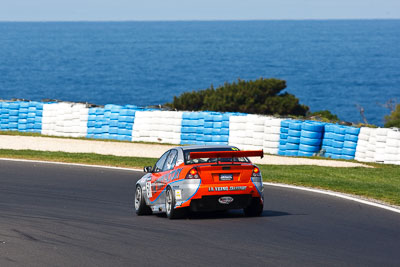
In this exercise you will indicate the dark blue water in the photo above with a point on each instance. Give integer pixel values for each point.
(331, 65)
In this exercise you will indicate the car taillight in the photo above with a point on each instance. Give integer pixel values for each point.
(193, 174)
(256, 172)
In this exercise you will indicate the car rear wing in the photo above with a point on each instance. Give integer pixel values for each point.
(227, 154)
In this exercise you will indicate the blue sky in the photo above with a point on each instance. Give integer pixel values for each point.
(72, 10)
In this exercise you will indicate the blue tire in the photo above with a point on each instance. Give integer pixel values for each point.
(312, 126)
(348, 152)
(208, 124)
(310, 134)
(329, 128)
(308, 148)
(284, 130)
(285, 123)
(295, 133)
(13, 112)
(327, 142)
(224, 131)
(351, 137)
(336, 156)
(13, 106)
(216, 131)
(340, 130)
(352, 130)
(283, 141)
(338, 137)
(281, 152)
(217, 124)
(337, 151)
(328, 135)
(224, 138)
(186, 115)
(310, 141)
(292, 153)
(337, 144)
(282, 146)
(305, 154)
(207, 138)
(293, 139)
(295, 126)
(291, 146)
(208, 131)
(349, 144)
(283, 136)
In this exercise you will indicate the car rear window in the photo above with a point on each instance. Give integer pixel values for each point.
(189, 161)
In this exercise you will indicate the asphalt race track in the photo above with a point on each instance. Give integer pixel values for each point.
(60, 215)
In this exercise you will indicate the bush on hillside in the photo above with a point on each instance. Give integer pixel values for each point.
(323, 115)
(393, 120)
(262, 96)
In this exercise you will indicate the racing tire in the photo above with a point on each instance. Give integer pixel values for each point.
(255, 208)
(170, 202)
(140, 204)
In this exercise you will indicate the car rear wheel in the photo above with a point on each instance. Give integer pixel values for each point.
(170, 202)
(140, 204)
(255, 208)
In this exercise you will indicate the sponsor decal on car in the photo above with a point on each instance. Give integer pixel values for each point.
(178, 194)
(226, 188)
(225, 200)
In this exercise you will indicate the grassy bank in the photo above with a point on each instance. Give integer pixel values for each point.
(83, 158)
(381, 183)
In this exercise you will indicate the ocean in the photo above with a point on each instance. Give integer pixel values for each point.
(339, 65)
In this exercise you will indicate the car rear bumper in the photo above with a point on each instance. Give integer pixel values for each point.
(188, 191)
(213, 203)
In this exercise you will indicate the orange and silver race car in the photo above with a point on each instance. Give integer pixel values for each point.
(201, 178)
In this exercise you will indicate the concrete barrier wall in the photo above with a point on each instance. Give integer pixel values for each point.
(286, 137)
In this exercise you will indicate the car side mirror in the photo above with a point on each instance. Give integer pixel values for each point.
(148, 169)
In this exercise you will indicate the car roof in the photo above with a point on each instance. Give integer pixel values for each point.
(203, 147)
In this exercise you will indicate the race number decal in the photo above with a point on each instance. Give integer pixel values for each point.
(148, 189)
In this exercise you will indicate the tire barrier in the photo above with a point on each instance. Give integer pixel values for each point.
(157, 126)
(111, 122)
(247, 132)
(339, 142)
(205, 128)
(285, 137)
(65, 119)
(381, 145)
(272, 131)
(310, 138)
(392, 147)
(293, 138)
(21, 116)
(284, 133)
(365, 150)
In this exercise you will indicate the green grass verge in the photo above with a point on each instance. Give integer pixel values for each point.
(381, 183)
(16, 133)
(83, 158)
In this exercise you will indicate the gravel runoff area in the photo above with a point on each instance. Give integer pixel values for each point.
(138, 150)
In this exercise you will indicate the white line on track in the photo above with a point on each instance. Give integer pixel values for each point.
(319, 191)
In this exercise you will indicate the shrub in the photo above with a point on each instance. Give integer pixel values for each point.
(262, 96)
(323, 115)
(393, 120)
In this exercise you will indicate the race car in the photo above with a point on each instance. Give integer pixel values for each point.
(201, 178)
